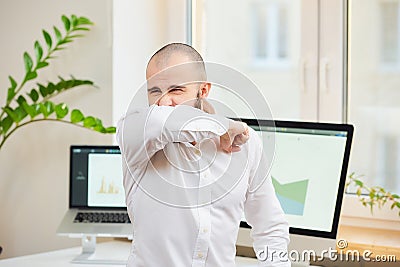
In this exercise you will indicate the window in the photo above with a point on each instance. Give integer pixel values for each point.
(374, 106)
(390, 34)
(260, 39)
(271, 33)
(310, 34)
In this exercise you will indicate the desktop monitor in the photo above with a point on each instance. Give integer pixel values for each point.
(308, 172)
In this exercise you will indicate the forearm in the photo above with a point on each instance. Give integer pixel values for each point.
(186, 124)
(143, 132)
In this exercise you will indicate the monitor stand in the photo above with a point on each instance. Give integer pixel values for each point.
(88, 253)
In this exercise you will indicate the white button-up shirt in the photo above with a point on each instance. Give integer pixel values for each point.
(186, 201)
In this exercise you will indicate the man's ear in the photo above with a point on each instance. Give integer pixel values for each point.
(204, 90)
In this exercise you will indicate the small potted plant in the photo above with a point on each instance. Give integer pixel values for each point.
(374, 196)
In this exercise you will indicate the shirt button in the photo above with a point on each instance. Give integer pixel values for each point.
(205, 230)
(200, 255)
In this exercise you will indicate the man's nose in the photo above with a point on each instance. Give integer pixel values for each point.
(165, 100)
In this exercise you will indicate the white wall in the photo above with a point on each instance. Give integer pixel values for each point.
(34, 161)
(140, 28)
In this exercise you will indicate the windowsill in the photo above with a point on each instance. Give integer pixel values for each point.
(354, 214)
(378, 233)
(377, 241)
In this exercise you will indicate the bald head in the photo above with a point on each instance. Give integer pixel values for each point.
(175, 54)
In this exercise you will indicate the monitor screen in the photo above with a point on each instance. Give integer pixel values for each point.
(96, 179)
(308, 172)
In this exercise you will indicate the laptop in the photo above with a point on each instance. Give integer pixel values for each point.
(96, 194)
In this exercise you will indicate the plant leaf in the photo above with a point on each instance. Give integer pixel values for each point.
(61, 110)
(21, 113)
(10, 112)
(30, 75)
(359, 183)
(37, 108)
(34, 95)
(16, 115)
(76, 36)
(65, 41)
(99, 126)
(42, 65)
(358, 192)
(57, 34)
(81, 29)
(47, 38)
(74, 20)
(10, 94)
(76, 116)
(50, 88)
(63, 85)
(99, 122)
(30, 109)
(21, 100)
(111, 129)
(11, 90)
(42, 90)
(6, 124)
(100, 129)
(83, 21)
(372, 194)
(67, 23)
(13, 82)
(38, 51)
(89, 122)
(28, 62)
(59, 48)
(46, 108)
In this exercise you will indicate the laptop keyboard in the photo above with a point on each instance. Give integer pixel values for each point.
(101, 217)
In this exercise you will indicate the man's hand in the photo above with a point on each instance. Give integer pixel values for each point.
(237, 135)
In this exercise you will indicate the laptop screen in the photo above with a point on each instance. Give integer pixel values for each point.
(96, 177)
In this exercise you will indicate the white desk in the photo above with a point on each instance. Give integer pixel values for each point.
(113, 250)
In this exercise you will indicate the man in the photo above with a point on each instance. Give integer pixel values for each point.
(189, 175)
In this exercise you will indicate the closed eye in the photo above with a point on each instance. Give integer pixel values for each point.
(154, 91)
(176, 89)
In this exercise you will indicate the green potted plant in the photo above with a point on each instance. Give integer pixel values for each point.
(374, 196)
(24, 106)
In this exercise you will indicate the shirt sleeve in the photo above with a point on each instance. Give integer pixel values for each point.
(142, 132)
(263, 212)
